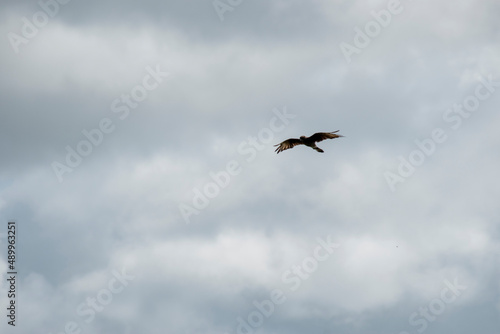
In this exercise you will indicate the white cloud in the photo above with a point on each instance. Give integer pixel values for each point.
(119, 208)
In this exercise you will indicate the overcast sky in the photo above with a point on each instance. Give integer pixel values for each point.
(136, 145)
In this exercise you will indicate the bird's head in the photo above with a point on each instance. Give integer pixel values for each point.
(302, 137)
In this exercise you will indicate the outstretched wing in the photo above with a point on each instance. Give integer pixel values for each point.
(289, 143)
(319, 136)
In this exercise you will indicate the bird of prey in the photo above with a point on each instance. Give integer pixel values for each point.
(308, 141)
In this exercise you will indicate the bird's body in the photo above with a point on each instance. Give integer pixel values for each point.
(308, 141)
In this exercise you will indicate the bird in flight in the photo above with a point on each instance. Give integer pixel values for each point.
(308, 141)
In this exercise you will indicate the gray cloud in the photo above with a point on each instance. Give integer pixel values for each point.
(118, 209)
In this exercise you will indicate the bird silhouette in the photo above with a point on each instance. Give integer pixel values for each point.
(308, 141)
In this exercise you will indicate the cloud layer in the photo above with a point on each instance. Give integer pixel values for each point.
(103, 243)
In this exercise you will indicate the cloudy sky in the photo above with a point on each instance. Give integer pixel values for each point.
(136, 141)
